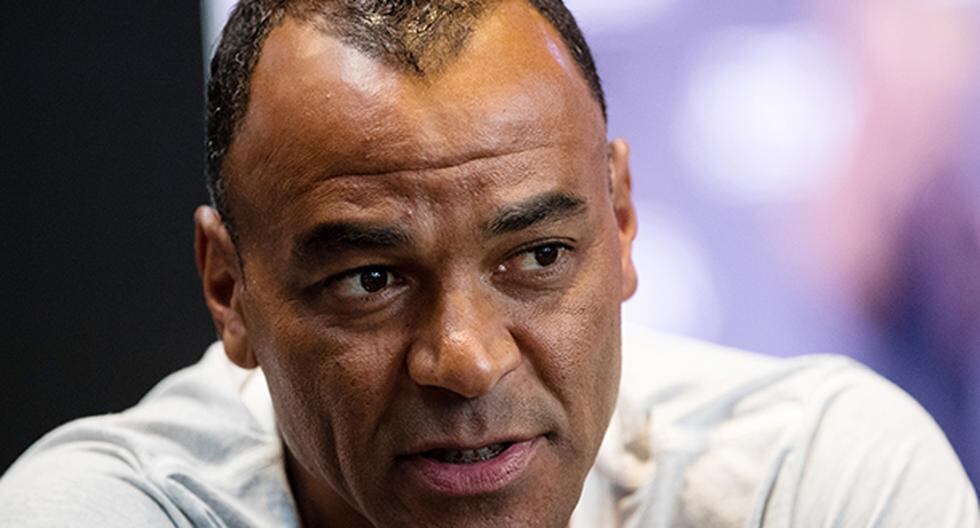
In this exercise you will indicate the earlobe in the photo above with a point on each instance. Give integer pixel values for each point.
(626, 221)
(221, 280)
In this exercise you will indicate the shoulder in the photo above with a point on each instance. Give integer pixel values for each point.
(190, 453)
(867, 454)
(87, 482)
(729, 437)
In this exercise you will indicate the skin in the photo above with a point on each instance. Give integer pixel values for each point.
(473, 337)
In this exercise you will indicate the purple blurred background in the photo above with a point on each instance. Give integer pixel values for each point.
(807, 178)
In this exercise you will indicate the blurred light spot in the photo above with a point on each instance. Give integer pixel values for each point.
(767, 115)
(602, 16)
(676, 291)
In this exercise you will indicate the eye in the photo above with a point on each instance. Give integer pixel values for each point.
(373, 280)
(538, 267)
(543, 258)
(361, 283)
(540, 257)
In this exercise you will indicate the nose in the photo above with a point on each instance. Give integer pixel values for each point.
(465, 346)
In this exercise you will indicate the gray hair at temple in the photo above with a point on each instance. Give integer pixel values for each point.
(417, 36)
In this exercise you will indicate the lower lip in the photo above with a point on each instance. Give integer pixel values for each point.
(460, 480)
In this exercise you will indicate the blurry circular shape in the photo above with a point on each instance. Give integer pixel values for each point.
(676, 291)
(603, 16)
(768, 115)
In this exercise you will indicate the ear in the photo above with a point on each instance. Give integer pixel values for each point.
(221, 279)
(620, 184)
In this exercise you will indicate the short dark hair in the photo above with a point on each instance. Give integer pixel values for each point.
(416, 35)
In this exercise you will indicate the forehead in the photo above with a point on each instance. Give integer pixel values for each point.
(320, 109)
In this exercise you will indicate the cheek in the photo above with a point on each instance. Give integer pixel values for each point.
(330, 393)
(575, 342)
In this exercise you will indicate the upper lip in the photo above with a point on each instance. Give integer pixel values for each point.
(463, 444)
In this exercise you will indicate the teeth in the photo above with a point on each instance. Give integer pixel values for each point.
(467, 456)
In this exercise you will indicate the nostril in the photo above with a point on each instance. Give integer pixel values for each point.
(465, 367)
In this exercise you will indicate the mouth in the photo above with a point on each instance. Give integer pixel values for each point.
(467, 456)
(468, 471)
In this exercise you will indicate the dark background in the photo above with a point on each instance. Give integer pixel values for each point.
(101, 156)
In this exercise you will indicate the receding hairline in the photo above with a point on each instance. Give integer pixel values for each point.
(438, 38)
(431, 49)
(312, 51)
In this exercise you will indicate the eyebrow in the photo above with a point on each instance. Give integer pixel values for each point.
(544, 208)
(334, 237)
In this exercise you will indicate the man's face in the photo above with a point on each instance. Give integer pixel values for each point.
(433, 269)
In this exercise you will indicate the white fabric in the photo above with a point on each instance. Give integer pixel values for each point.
(703, 436)
(706, 436)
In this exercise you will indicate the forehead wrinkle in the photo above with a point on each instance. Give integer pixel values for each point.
(454, 166)
(425, 119)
